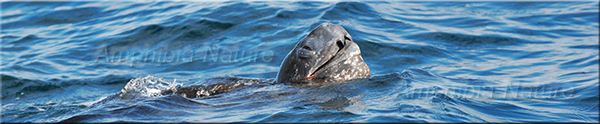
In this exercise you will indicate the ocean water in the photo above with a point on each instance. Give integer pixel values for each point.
(108, 61)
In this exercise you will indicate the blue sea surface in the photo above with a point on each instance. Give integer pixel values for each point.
(105, 61)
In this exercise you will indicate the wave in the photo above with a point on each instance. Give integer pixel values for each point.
(431, 62)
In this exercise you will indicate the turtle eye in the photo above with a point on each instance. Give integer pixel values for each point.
(307, 48)
(305, 52)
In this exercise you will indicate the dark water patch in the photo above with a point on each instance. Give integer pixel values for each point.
(596, 47)
(473, 82)
(176, 20)
(370, 30)
(73, 15)
(41, 88)
(310, 4)
(103, 16)
(10, 82)
(527, 32)
(345, 10)
(203, 29)
(12, 5)
(113, 107)
(115, 16)
(38, 5)
(583, 18)
(6, 39)
(110, 79)
(532, 64)
(139, 14)
(534, 54)
(572, 33)
(392, 25)
(173, 37)
(470, 22)
(299, 14)
(337, 103)
(13, 87)
(391, 119)
(151, 108)
(29, 69)
(63, 59)
(459, 22)
(591, 102)
(29, 39)
(527, 5)
(142, 33)
(169, 8)
(418, 74)
(462, 40)
(257, 29)
(377, 50)
(399, 55)
(536, 20)
(82, 118)
(535, 74)
(56, 17)
(50, 110)
(575, 74)
(389, 81)
(16, 49)
(420, 50)
(86, 35)
(239, 13)
(307, 116)
(555, 19)
(41, 67)
(579, 62)
(368, 36)
(582, 81)
(420, 93)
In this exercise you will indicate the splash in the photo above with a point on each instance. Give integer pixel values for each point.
(148, 86)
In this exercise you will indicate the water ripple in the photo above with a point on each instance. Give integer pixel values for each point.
(430, 61)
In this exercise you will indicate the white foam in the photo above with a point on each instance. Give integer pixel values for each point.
(148, 86)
